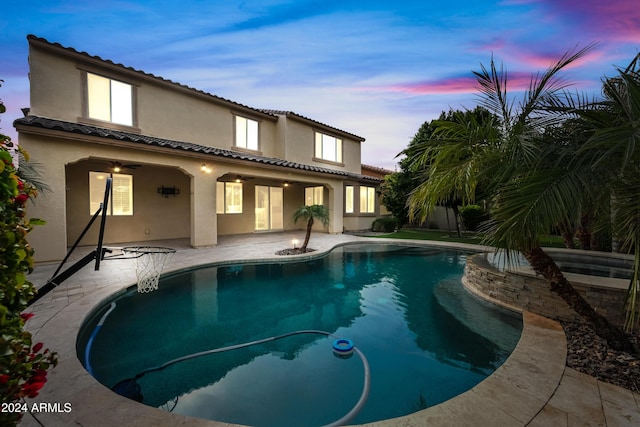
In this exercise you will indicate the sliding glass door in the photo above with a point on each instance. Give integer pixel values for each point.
(269, 212)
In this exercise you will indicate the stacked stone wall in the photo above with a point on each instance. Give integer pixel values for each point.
(531, 293)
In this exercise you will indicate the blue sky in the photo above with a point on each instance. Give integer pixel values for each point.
(375, 68)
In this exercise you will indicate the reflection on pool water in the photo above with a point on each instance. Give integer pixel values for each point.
(426, 339)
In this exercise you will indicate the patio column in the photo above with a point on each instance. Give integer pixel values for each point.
(204, 221)
(336, 206)
(50, 240)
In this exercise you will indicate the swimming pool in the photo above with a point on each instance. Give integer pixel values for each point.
(425, 338)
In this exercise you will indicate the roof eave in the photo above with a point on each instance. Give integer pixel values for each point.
(96, 61)
(91, 134)
(317, 124)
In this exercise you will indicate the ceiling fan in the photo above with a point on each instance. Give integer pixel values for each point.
(117, 166)
(239, 178)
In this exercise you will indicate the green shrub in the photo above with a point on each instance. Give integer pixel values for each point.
(385, 224)
(23, 365)
(472, 216)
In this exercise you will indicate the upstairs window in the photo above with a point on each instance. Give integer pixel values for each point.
(313, 195)
(367, 200)
(328, 148)
(246, 133)
(120, 198)
(109, 100)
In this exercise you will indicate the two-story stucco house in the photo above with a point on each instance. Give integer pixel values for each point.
(184, 163)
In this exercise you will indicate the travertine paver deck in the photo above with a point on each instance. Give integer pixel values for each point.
(532, 388)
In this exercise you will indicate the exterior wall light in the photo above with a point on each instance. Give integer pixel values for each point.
(204, 168)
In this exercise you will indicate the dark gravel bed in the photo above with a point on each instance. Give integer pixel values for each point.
(296, 251)
(590, 354)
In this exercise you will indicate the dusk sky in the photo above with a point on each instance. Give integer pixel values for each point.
(378, 69)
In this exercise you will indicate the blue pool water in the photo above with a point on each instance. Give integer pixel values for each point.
(426, 339)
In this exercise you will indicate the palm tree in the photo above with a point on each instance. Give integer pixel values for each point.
(30, 172)
(613, 150)
(449, 161)
(523, 174)
(310, 214)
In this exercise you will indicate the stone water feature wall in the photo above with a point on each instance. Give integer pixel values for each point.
(531, 293)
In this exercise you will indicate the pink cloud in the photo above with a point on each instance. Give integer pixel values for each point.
(564, 24)
(611, 20)
(543, 60)
(456, 85)
(494, 45)
(516, 81)
(445, 86)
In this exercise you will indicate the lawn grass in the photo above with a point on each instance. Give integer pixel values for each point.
(446, 236)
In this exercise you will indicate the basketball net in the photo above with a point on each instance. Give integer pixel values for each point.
(149, 263)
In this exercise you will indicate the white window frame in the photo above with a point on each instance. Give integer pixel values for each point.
(109, 100)
(328, 147)
(273, 211)
(229, 197)
(367, 199)
(314, 195)
(120, 197)
(349, 193)
(247, 133)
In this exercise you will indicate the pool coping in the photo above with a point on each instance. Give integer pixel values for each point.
(513, 395)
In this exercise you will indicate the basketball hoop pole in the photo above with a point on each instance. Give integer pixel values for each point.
(97, 254)
(105, 207)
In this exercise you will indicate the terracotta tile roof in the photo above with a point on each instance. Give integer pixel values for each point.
(69, 51)
(377, 169)
(59, 125)
(307, 119)
(39, 41)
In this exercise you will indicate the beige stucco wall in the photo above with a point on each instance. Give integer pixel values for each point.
(55, 86)
(170, 112)
(195, 119)
(358, 223)
(151, 211)
(191, 214)
(155, 217)
(163, 114)
(352, 155)
(335, 204)
(173, 112)
(49, 240)
(300, 145)
(293, 198)
(167, 111)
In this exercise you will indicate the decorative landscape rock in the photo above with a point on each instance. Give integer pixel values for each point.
(590, 354)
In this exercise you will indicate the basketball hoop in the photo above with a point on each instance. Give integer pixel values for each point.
(150, 260)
